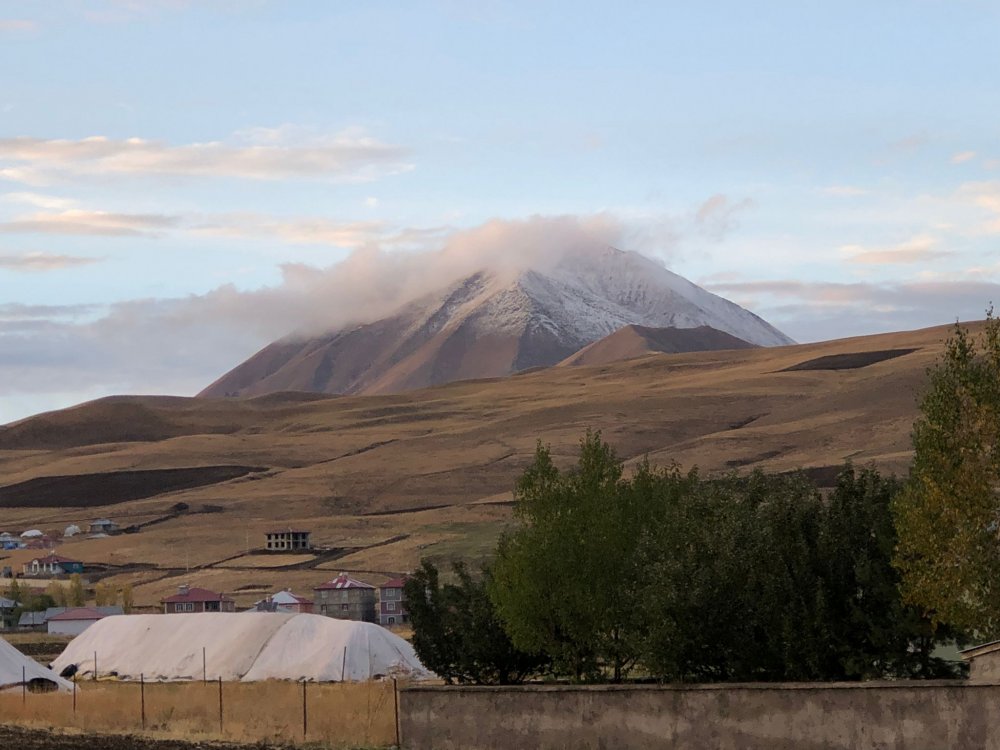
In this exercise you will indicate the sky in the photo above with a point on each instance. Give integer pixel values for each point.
(183, 182)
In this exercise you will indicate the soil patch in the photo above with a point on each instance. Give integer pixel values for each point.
(109, 488)
(849, 361)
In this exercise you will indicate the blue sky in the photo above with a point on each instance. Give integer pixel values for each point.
(179, 181)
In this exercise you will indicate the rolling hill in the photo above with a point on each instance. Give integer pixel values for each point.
(385, 480)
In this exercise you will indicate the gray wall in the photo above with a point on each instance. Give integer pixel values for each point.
(781, 716)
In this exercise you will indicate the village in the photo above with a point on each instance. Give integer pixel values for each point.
(52, 593)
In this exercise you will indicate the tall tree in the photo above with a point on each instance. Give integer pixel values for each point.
(456, 632)
(948, 517)
(76, 596)
(566, 579)
(128, 598)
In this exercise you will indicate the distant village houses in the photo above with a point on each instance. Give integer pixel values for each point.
(288, 540)
(102, 526)
(392, 603)
(51, 566)
(346, 598)
(192, 599)
(75, 620)
(284, 601)
(7, 607)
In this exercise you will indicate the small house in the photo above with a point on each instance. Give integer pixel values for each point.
(346, 598)
(984, 662)
(284, 601)
(102, 526)
(51, 566)
(288, 540)
(392, 603)
(192, 599)
(74, 620)
(7, 607)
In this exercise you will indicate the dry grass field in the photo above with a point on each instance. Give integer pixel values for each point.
(337, 714)
(383, 481)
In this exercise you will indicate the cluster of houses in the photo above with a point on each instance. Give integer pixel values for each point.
(343, 598)
(37, 539)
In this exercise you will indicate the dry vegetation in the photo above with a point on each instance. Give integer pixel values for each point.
(338, 715)
(383, 481)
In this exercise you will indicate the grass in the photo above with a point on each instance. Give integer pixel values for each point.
(339, 715)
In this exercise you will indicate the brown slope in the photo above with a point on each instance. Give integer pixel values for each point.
(637, 341)
(331, 462)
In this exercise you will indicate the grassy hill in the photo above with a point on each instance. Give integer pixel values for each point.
(385, 480)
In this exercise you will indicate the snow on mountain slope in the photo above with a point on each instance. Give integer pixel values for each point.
(492, 324)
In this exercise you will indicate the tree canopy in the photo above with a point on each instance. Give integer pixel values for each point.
(948, 516)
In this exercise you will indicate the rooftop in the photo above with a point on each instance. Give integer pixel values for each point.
(343, 581)
(195, 595)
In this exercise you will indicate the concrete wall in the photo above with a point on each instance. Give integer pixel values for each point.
(781, 716)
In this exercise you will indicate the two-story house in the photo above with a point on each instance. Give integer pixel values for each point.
(346, 598)
(392, 603)
(192, 599)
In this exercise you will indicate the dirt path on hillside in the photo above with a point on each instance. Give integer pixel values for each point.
(37, 739)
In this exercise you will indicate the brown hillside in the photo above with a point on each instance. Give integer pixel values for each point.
(637, 341)
(385, 480)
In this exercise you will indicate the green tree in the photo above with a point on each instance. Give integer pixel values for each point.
(456, 632)
(76, 596)
(14, 590)
(128, 598)
(948, 516)
(58, 593)
(566, 579)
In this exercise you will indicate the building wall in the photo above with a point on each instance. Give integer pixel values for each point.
(985, 668)
(360, 604)
(911, 715)
(68, 627)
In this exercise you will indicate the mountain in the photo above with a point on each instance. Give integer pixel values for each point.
(492, 324)
(635, 341)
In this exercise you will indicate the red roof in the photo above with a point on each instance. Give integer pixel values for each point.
(49, 559)
(196, 595)
(393, 583)
(287, 531)
(79, 613)
(343, 581)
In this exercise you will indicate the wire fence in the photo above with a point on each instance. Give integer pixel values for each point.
(346, 714)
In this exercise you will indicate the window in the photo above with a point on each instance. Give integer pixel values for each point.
(345, 607)
(390, 606)
(392, 621)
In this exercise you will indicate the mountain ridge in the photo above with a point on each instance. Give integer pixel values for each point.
(491, 324)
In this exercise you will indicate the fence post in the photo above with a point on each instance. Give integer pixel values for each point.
(95, 666)
(395, 697)
(74, 695)
(220, 704)
(24, 686)
(305, 715)
(142, 699)
(204, 670)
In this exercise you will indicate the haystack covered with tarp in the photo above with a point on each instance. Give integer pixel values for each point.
(246, 647)
(17, 669)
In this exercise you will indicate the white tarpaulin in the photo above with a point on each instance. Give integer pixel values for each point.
(12, 662)
(248, 646)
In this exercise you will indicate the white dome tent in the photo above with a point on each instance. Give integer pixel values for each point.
(246, 647)
(16, 669)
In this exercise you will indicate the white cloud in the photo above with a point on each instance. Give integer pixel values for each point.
(917, 249)
(39, 201)
(13, 25)
(845, 191)
(38, 262)
(348, 155)
(963, 156)
(80, 222)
